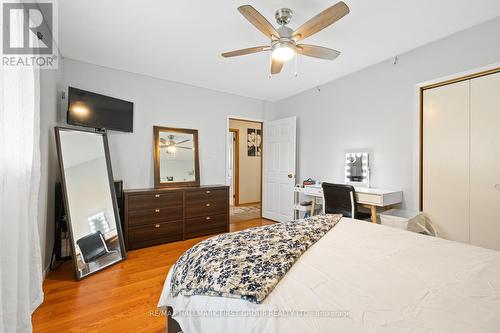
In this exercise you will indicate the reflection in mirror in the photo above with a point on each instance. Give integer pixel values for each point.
(357, 168)
(90, 200)
(176, 161)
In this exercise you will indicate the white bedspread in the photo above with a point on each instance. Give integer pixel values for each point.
(383, 279)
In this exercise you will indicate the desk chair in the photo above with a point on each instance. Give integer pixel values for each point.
(341, 199)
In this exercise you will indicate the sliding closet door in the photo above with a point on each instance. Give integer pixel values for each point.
(446, 159)
(485, 162)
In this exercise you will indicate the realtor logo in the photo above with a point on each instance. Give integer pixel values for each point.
(28, 34)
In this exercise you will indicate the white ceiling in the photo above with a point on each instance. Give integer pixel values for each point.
(182, 40)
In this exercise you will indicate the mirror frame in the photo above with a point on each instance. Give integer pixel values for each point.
(156, 148)
(58, 130)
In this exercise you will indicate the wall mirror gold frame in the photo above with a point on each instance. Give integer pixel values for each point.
(176, 160)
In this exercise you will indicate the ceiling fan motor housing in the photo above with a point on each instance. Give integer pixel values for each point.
(283, 16)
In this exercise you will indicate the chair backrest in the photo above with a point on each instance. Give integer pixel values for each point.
(92, 246)
(340, 199)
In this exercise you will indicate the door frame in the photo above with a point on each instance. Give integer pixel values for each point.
(236, 166)
(255, 120)
(464, 76)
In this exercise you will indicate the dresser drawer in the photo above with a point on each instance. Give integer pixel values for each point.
(148, 216)
(208, 195)
(164, 231)
(206, 208)
(154, 200)
(206, 225)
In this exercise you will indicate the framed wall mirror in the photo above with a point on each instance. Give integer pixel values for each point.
(90, 200)
(176, 161)
(357, 168)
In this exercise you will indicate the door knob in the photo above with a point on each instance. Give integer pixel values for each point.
(497, 186)
(290, 175)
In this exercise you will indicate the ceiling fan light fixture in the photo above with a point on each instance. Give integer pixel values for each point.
(283, 51)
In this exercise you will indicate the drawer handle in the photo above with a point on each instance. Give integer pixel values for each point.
(208, 218)
(157, 225)
(157, 195)
(208, 205)
(157, 210)
(207, 192)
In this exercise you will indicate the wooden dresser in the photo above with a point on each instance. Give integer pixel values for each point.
(156, 216)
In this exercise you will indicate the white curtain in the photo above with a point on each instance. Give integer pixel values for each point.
(20, 259)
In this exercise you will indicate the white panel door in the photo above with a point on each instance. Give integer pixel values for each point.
(446, 159)
(485, 162)
(279, 169)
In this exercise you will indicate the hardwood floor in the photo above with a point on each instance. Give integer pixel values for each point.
(121, 298)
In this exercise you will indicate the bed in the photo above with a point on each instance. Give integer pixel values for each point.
(363, 277)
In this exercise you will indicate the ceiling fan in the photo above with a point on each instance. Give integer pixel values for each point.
(171, 145)
(284, 41)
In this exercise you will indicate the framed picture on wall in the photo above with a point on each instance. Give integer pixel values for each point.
(254, 142)
(258, 142)
(251, 141)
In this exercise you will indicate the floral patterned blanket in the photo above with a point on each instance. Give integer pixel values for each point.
(247, 264)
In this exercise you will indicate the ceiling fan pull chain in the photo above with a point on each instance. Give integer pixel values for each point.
(296, 73)
(270, 65)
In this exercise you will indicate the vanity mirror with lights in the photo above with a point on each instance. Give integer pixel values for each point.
(357, 168)
(176, 160)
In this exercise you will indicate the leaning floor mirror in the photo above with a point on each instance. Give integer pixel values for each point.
(90, 200)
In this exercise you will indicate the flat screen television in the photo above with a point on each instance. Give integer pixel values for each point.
(89, 109)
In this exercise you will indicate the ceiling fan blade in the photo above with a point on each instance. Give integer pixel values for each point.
(178, 143)
(276, 66)
(184, 147)
(321, 21)
(244, 51)
(317, 51)
(259, 21)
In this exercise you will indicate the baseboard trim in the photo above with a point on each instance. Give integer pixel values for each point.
(247, 204)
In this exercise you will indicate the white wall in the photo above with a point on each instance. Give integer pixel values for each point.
(378, 108)
(163, 103)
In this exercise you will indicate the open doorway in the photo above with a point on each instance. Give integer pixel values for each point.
(244, 169)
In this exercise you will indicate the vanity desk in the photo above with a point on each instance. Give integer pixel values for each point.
(371, 198)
